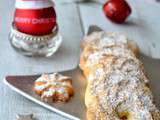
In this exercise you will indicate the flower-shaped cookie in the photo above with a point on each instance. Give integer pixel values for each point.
(54, 87)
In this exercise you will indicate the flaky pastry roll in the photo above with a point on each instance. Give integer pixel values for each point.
(117, 85)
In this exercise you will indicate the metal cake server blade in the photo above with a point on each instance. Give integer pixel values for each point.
(93, 28)
(74, 109)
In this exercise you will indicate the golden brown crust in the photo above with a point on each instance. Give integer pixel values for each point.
(134, 47)
(117, 85)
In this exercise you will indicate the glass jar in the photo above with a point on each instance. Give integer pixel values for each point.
(45, 45)
(34, 31)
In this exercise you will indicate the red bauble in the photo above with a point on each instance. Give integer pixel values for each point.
(117, 10)
(35, 21)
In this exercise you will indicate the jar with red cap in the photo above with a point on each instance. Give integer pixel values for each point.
(34, 29)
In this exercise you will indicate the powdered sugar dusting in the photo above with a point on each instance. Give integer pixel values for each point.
(54, 85)
(119, 81)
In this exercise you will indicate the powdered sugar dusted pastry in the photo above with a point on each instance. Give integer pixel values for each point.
(117, 86)
(54, 87)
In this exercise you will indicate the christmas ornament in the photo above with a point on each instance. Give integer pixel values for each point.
(34, 30)
(117, 10)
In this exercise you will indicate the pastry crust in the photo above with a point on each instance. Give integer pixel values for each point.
(54, 87)
(117, 87)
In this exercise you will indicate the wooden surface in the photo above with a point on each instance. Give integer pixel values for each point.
(142, 26)
(74, 18)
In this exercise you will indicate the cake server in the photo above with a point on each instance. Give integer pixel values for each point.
(74, 109)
